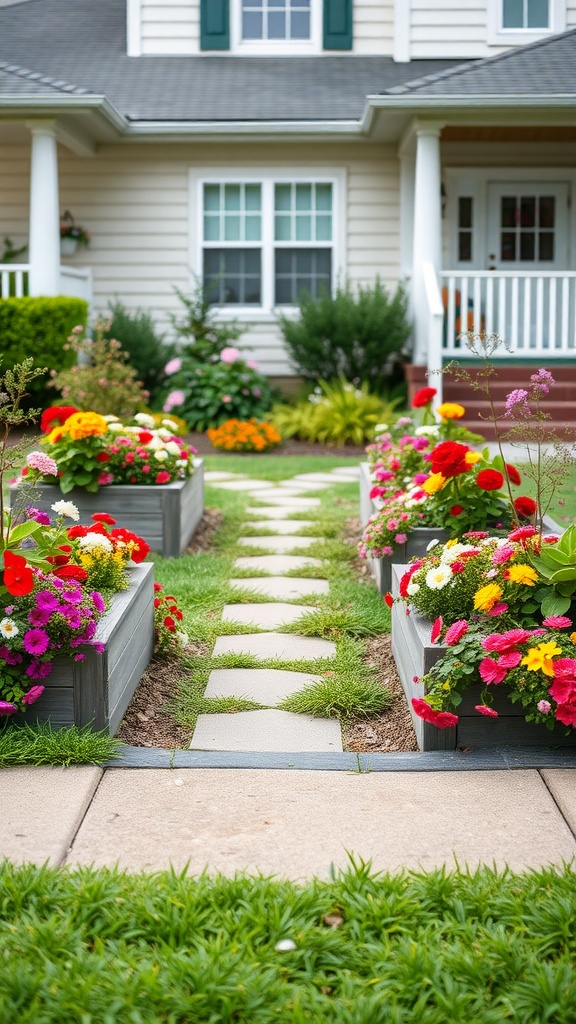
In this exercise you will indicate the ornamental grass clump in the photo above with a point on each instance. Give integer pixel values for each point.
(92, 451)
(244, 436)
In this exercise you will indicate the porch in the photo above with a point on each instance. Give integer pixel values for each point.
(74, 281)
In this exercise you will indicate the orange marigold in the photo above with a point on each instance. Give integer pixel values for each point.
(244, 436)
(84, 424)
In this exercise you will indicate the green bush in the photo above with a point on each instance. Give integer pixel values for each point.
(336, 413)
(146, 348)
(359, 336)
(39, 327)
(208, 394)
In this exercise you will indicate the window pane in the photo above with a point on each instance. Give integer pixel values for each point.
(231, 228)
(211, 197)
(512, 13)
(538, 16)
(232, 276)
(251, 25)
(253, 229)
(252, 194)
(547, 211)
(304, 228)
(282, 228)
(301, 270)
(211, 228)
(465, 212)
(276, 25)
(303, 197)
(323, 228)
(300, 25)
(546, 246)
(527, 211)
(508, 212)
(283, 199)
(508, 246)
(232, 197)
(527, 245)
(324, 197)
(464, 246)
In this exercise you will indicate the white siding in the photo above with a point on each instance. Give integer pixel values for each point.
(173, 27)
(571, 14)
(453, 28)
(134, 199)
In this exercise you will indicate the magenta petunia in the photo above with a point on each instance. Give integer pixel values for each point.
(33, 694)
(441, 719)
(46, 600)
(39, 669)
(436, 629)
(6, 708)
(40, 517)
(509, 660)
(36, 641)
(39, 616)
(98, 601)
(483, 709)
(490, 671)
(557, 622)
(502, 642)
(455, 632)
(73, 596)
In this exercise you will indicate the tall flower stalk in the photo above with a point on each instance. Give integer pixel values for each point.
(14, 386)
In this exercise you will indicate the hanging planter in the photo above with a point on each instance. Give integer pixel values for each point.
(68, 246)
(71, 235)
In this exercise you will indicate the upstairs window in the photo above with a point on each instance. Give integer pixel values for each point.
(519, 22)
(276, 19)
(527, 14)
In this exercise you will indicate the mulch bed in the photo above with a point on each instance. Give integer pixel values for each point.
(289, 447)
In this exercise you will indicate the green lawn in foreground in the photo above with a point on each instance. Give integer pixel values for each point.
(100, 947)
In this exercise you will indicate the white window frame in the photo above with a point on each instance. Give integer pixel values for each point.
(275, 47)
(267, 177)
(499, 36)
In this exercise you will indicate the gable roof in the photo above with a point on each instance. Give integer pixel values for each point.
(545, 68)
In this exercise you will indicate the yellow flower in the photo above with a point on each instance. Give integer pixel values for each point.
(434, 482)
(450, 411)
(522, 573)
(539, 659)
(573, 637)
(487, 597)
(85, 424)
(471, 458)
(450, 543)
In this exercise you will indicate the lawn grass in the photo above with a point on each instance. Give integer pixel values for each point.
(90, 946)
(276, 466)
(39, 744)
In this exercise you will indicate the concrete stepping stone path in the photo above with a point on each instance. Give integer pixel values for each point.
(321, 478)
(275, 564)
(244, 485)
(265, 615)
(287, 501)
(216, 474)
(266, 731)
(284, 646)
(262, 685)
(270, 512)
(281, 526)
(304, 485)
(280, 543)
(279, 492)
(284, 588)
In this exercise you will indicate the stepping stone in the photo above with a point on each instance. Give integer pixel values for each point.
(215, 474)
(262, 685)
(275, 645)
(280, 492)
(284, 526)
(276, 564)
(244, 485)
(326, 478)
(303, 485)
(265, 616)
(280, 543)
(352, 471)
(266, 731)
(269, 513)
(288, 588)
(288, 501)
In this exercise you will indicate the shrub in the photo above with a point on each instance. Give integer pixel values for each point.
(357, 336)
(208, 394)
(145, 347)
(336, 413)
(101, 379)
(248, 436)
(37, 328)
(203, 337)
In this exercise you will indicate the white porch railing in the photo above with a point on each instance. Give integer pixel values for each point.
(435, 327)
(534, 312)
(13, 280)
(75, 281)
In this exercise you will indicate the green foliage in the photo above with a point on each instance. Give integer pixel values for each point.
(336, 413)
(147, 350)
(340, 697)
(42, 744)
(218, 391)
(100, 379)
(203, 337)
(11, 253)
(358, 335)
(38, 328)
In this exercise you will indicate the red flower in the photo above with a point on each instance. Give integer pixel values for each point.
(489, 480)
(55, 416)
(139, 547)
(449, 458)
(436, 629)
(388, 599)
(455, 632)
(102, 457)
(18, 576)
(157, 602)
(457, 567)
(423, 397)
(145, 436)
(456, 510)
(71, 572)
(484, 710)
(513, 474)
(77, 531)
(170, 624)
(441, 719)
(158, 586)
(163, 477)
(98, 528)
(525, 506)
(103, 517)
(523, 532)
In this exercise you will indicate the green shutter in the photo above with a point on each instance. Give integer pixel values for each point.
(338, 24)
(214, 25)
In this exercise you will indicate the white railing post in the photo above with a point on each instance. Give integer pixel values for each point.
(435, 309)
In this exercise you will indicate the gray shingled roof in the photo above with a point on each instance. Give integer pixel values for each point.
(545, 68)
(82, 44)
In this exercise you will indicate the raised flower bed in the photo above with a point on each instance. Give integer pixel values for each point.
(96, 691)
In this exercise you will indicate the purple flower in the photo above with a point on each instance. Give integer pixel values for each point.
(72, 596)
(79, 657)
(38, 515)
(6, 708)
(47, 601)
(9, 609)
(39, 669)
(39, 616)
(33, 693)
(73, 617)
(99, 647)
(517, 397)
(98, 601)
(541, 381)
(36, 641)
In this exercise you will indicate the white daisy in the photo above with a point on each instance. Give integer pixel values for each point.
(412, 589)
(433, 431)
(438, 577)
(161, 454)
(66, 508)
(95, 540)
(173, 448)
(8, 628)
(171, 426)
(145, 420)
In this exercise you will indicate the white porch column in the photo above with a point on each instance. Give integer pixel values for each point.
(427, 245)
(44, 240)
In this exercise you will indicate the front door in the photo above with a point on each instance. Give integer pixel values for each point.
(527, 226)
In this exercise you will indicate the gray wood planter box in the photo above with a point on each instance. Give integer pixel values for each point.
(414, 656)
(166, 515)
(97, 691)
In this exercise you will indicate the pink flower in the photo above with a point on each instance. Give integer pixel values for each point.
(502, 642)
(33, 694)
(457, 567)
(420, 478)
(441, 719)
(163, 477)
(400, 538)
(172, 366)
(502, 554)
(498, 609)
(382, 475)
(226, 399)
(484, 710)
(522, 533)
(509, 660)
(38, 515)
(455, 632)
(490, 671)
(557, 622)
(377, 492)
(105, 478)
(252, 364)
(436, 629)
(6, 708)
(544, 706)
(36, 641)
(392, 524)
(174, 398)
(229, 355)
(43, 463)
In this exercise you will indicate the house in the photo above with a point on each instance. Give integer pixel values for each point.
(275, 145)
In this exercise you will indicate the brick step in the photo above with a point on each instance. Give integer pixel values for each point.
(557, 410)
(486, 427)
(462, 392)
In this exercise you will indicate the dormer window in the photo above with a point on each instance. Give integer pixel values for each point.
(519, 22)
(276, 19)
(525, 14)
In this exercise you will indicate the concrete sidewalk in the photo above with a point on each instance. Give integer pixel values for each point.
(290, 823)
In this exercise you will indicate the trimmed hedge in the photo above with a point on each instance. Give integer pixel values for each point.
(39, 327)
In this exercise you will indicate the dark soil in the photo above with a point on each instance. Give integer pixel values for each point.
(289, 447)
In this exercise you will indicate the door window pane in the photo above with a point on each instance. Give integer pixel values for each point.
(507, 246)
(465, 223)
(547, 210)
(527, 245)
(301, 271)
(546, 246)
(527, 211)
(508, 211)
(232, 276)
